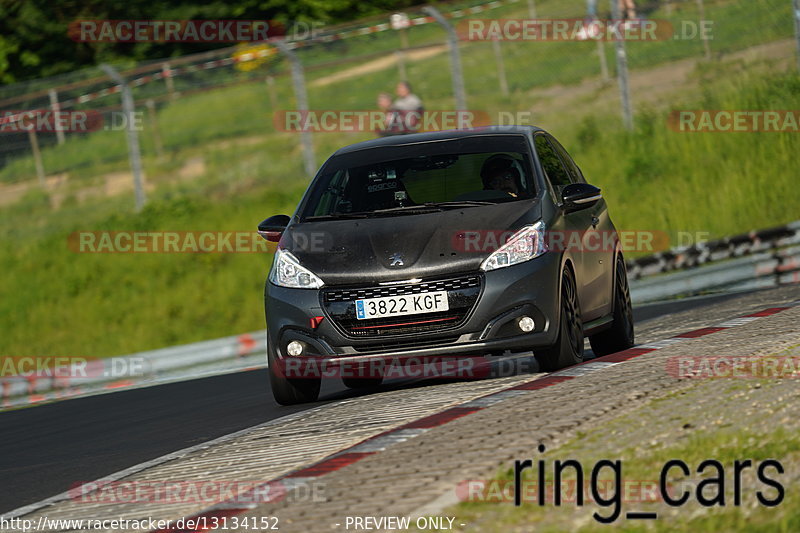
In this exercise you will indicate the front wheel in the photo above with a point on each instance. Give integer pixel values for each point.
(290, 391)
(568, 349)
(620, 335)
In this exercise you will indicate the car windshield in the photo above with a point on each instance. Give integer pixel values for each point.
(426, 177)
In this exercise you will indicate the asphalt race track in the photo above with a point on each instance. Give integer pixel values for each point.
(49, 448)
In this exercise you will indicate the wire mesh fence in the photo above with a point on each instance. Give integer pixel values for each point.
(238, 91)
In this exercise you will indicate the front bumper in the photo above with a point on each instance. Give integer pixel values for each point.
(528, 289)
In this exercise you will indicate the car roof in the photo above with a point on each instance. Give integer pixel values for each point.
(414, 138)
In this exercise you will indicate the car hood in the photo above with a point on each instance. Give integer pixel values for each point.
(399, 247)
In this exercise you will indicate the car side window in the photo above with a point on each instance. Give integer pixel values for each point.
(575, 173)
(332, 198)
(557, 175)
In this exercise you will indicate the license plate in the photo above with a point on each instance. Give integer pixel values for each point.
(410, 304)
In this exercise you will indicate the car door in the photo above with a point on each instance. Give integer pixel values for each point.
(597, 249)
(567, 230)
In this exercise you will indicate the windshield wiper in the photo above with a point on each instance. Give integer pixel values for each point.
(460, 203)
(424, 208)
(438, 206)
(338, 216)
(427, 207)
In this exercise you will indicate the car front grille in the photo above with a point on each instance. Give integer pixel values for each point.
(462, 294)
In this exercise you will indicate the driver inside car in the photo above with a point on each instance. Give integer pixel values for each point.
(498, 173)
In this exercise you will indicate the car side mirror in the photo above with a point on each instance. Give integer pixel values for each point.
(272, 228)
(577, 196)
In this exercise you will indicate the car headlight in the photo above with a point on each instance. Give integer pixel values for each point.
(524, 245)
(288, 272)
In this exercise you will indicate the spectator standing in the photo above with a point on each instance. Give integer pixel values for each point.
(404, 115)
(408, 107)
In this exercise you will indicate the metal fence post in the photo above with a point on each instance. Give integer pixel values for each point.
(273, 98)
(797, 28)
(37, 156)
(702, 15)
(501, 67)
(601, 53)
(153, 118)
(299, 82)
(56, 108)
(167, 73)
(532, 9)
(133, 136)
(622, 69)
(401, 54)
(455, 57)
(400, 23)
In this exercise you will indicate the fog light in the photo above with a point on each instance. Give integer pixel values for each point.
(526, 324)
(294, 348)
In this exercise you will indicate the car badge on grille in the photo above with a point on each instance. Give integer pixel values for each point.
(396, 260)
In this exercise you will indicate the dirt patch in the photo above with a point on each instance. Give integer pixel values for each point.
(11, 194)
(240, 141)
(376, 65)
(194, 167)
(650, 86)
(117, 183)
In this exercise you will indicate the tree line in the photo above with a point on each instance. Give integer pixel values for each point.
(35, 40)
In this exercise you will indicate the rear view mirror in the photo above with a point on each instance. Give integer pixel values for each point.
(272, 228)
(576, 196)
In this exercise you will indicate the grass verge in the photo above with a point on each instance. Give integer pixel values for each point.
(719, 434)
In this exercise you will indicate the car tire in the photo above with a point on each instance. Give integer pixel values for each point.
(290, 391)
(568, 348)
(620, 335)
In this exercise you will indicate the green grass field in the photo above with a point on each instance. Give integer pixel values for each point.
(54, 301)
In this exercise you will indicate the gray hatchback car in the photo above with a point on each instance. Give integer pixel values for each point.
(453, 243)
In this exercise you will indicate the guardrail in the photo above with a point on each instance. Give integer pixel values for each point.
(236, 353)
(757, 259)
(753, 260)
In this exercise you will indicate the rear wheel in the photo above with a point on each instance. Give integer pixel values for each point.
(568, 349)
(620, 335)
(290, 391)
